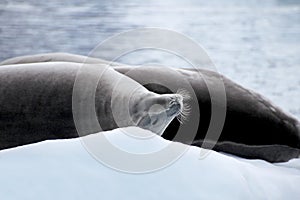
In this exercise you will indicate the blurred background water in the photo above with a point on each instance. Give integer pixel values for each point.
(254, 42)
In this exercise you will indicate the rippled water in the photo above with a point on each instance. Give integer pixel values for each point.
(254, 42)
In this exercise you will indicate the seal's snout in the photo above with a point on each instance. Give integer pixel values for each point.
(175, 104)
(159, 111)
(177, 98)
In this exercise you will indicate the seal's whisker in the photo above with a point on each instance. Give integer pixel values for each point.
(184, 93)
(186, 108)
(183, 115)
(179, 119)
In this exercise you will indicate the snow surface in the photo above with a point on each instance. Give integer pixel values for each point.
(63, 169)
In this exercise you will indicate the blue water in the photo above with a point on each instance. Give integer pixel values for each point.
(254, 42)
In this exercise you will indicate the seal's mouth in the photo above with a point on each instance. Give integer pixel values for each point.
(159, 115)
(171, 112)
(175, 106)
(174, 109)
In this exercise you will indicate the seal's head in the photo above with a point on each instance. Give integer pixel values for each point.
(155, 112)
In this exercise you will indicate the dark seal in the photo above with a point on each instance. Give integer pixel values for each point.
(254, 127)
(36, 103)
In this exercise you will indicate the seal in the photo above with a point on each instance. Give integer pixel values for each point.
(254, 127)
(36, 102)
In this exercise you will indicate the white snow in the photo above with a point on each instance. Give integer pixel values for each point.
(63, 169)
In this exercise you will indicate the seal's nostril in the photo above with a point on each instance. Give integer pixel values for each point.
(172, 101)
(179, 98)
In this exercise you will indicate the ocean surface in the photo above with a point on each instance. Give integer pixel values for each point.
(256, 43)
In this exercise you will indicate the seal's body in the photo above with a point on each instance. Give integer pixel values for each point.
(36, 102)
(254, 127)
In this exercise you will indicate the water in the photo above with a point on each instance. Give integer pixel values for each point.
(255, 43)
